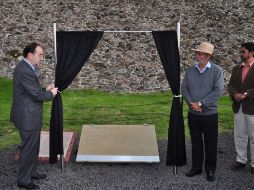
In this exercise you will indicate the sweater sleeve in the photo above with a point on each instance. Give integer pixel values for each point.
(217, 90)
(185, 89)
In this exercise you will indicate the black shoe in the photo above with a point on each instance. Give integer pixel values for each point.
(236, 166)
(29, 186)
(210, 175)
(193, 172)
(39, 176)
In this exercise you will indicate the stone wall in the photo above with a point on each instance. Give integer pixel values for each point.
(126, 62)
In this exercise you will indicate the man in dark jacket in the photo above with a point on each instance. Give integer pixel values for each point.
(26, 113)
(241, 91)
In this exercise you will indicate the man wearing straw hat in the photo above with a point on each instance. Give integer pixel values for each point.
(241, 91)
(201, 88)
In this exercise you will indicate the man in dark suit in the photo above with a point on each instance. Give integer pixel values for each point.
(26, 113)
(241, 91)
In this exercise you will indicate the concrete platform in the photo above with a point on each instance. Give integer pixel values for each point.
(118, 143)
(68, 142)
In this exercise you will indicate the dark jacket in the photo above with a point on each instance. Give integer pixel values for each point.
(28, 97)
(237, 86)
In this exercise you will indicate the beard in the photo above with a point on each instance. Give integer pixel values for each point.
(199, 63)
(243, 59)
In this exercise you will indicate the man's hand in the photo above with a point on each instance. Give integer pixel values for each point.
(194, 106)
(239, 97)
(54, 91)
(51, 86)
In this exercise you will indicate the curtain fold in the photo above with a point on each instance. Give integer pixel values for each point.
(73, 50)
(167, 46)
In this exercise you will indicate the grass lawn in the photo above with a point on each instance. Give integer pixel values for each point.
(97, 107)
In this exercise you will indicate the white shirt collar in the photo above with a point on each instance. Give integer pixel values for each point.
(208, 66)
(243, 63)
(29, 64)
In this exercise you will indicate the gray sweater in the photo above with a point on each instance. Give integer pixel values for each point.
(204, 87)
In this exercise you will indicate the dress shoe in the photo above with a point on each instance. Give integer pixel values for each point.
(252, 170)
(193, 172)
(236, 166)
(210, 175)
(29, 186)
(39, 176)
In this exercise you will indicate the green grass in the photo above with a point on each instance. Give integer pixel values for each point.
(97, 107)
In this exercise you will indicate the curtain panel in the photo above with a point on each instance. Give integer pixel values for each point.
(167, 46)
(73, 50)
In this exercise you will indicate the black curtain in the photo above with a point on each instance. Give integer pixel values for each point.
(166, 43)
(73, 50)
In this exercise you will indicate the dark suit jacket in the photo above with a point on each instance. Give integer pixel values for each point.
(236, 86)
(28, 97)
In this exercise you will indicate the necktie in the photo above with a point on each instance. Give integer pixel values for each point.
(37, 70)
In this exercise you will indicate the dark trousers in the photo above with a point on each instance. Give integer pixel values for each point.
(29, 151)
(203, 131)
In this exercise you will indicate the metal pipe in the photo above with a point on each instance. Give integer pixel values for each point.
(55, 52)
(178, 40)
(125, 31)
(54, 41)
(178, 33)
(175, 170)
(62, 162)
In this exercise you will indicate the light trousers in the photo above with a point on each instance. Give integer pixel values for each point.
(244, 132)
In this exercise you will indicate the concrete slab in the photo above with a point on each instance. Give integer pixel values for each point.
(68, 142)
(118, 143)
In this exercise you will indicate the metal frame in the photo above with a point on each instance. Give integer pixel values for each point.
(55, 52)
(108, 31)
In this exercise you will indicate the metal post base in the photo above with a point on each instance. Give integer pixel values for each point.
(62, 162)
(175, 169)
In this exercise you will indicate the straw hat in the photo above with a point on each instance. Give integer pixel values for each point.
(205, 47)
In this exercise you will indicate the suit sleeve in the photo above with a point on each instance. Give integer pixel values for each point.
(231, 89)
(33, 88)
(250, 93)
